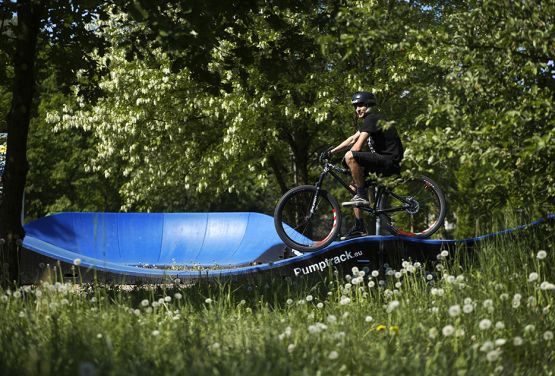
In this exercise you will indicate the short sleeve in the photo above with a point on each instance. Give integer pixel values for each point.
(370, 124)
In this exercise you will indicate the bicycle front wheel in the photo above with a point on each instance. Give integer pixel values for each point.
(415, 207)
(306, 219)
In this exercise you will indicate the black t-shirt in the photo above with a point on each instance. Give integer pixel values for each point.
(382, 141)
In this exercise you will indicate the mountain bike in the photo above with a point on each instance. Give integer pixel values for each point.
(308, 218)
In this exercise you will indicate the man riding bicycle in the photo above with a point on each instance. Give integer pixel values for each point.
(382, 156)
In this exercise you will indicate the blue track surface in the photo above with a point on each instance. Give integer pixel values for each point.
(123, 243)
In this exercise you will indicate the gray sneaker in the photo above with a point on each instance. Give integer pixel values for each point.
(356, 201)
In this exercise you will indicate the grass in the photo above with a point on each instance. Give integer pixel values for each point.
(494, 316)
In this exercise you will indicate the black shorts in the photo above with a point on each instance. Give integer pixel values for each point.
(376, 163)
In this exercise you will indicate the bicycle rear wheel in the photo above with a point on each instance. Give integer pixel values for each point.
(307, 221)
(415, 207)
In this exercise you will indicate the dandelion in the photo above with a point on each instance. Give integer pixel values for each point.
(492, 356)
(208, 301)
(468, 308)
(398, 275)
(375, 273)
(504, 296)
(529, 328)
(500, 342)
(398, 285)
(333, 355)
(533, 277)
(448, 330)
(290, 348)
(371, 284)
(500, 325)
(487, 346)
(77, 262)
(332, 319)
(541, 255)
(344, 300)
(548, 335)
(444, 254)
(309, 298)
(432, 333)
(289, 301)
(177, 296)
(429, 277)
(454, 310)
(394, 329)
(168, 299)
(381, 328)
(459, 332)
(155, 333)
(518, 341)
(488, 305)
(485, 324)
(320, 305)
(547, 286)
(145, 303)
(392, 306)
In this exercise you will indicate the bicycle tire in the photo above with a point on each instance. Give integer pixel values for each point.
(300, 230)
(424, 212)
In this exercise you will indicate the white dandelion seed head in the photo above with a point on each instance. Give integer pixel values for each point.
(532, 277)
(500, 325)
(145, 303)
(290, 348)
(448, 330)
(309, 298)
(333, 355)
(375, 273)
(429, 277)
(487, 346)
(320, 305)
(208, 301)
(547, 286)
(484, 324)
(331, 319)
(548, 335)
(468, 308)
(529, 328)
(454, 310)
(432, 333)
(177, 296)
(392, 306)
(368, 319)
(155, 333)
(493, 355)
(518, 341)
(344, 300)
(541, 255)
(289, 301)
(371, 284)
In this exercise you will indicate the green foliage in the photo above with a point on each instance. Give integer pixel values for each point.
(470, 87)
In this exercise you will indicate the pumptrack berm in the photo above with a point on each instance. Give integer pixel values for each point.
(158, 247)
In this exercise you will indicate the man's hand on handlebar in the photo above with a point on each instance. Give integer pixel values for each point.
(325, 155)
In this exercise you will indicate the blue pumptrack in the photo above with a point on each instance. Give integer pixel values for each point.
(161, 246)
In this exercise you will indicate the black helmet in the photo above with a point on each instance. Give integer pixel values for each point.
(364, 97)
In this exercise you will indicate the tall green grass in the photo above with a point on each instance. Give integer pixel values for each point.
(492, 316)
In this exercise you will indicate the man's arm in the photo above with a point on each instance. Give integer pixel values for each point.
(348, 143)
(363, 136)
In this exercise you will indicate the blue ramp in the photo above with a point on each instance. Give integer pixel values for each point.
(205, 239)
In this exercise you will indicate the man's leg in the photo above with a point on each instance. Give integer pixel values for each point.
(357, 172)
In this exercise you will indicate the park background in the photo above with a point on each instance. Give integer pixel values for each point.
(206, 106)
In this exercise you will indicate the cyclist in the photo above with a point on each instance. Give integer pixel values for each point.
(382, 155)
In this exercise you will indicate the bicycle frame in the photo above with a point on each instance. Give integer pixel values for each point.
(380, 191)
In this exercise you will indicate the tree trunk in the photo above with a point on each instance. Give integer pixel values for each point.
(15, 172)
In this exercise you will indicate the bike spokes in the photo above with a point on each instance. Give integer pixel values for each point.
(309, 221)
(414, 208)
